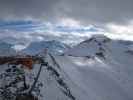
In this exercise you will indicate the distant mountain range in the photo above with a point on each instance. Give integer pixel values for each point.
(6, 49)
(88, 47)
(54, 47)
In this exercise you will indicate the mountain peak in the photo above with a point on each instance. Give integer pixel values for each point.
(93, 46)
(98, 38)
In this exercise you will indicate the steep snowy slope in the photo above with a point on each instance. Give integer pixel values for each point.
(53, 47)
(100, 68)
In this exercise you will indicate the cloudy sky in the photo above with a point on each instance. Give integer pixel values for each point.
(70, 21)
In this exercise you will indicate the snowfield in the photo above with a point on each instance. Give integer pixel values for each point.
(96, 69)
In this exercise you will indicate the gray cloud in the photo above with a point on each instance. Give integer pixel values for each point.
(85, 11)
(22, 9)
(99, 11)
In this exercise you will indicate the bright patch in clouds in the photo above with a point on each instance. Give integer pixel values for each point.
(69, 22)
(121, 31)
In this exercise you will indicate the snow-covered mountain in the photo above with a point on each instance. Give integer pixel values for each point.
(94, 45)
(54, 47)
(96, 69)
(6, 49)
(100, 69)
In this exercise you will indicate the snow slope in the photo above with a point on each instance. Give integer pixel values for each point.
(106, 77)
(96, 69)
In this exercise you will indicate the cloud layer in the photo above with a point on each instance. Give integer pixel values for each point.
(85, 11)
(64, 20)
(27, 31)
